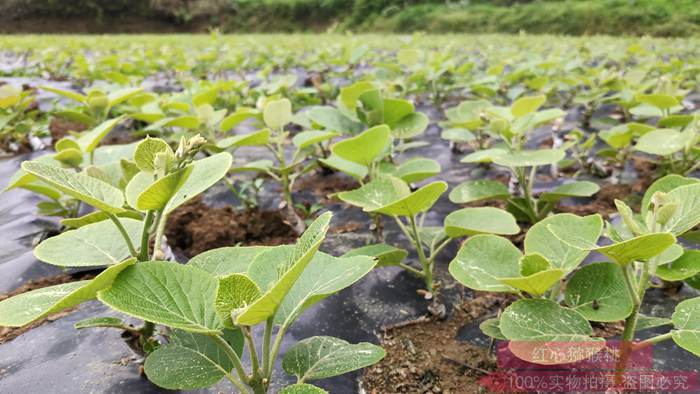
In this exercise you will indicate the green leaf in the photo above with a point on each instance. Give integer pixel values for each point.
(175, 189)
(598, 292)
(662, 142)
(227, 260)
(366, 147)
(529, 158)
(533, 263)
(93, 245)
(660, 101)
(122, 95)
(235, 293)
(484, 156)
(178, 296)
(687, 214)
(539, 239)
(146, 152)
(491, 327)
(471, 191)
(664, 184)
(533, 323)
(89, 140)
(276, 270)
(572, 189)
(376, 194)
(355, 170)
(27, 307)
(483, 259)
(410, 126)
(642, 247)
(527, 105)
(256, 138)
(414, 170)
(95, 217)
(65, 93)
(324, 357)
(87, 189)
(686, 266)
(325, 275)
(277, 114)
(303, 388)
(333, 120)
(645, 322)
(350, 94)
(191, 361)
(686, 320)
(241, 115)
(70, 157)
(184, 122)
(383, 253)
(419, 201)
(309, 138)
(482, 220)
(535, 284)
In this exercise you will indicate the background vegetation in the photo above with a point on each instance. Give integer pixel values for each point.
(573, 17)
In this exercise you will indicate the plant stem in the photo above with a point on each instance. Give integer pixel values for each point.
(425, 263)
(145, 236)
(652, 341)
(160, 229)
(124, 234)
(275, 350)
(267, 361)
(631, 321)
(234, 359)
(253, 352)
(412, 270)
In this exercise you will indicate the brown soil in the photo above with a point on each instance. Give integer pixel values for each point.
(323, 185)
(60, 128)
(10, 333)
(195, 227)
(604, 202)
(426, 357)
(646, 171)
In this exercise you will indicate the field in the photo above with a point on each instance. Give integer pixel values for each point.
(344, 213)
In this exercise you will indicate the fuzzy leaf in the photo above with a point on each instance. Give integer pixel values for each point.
(686, 320)
(227, 260)
(27, 307)
(572, 189)
(384, 254)
(533, 323)
(93, 245)
(471, 191)
(366, 147)
(419, 201)
(481, 220)
(684, 267)
(539, 239)
(324, 357)
(598, 292)
(276, 270)
(87, 189)
(167, 293)
(191, 361)
(483, 259)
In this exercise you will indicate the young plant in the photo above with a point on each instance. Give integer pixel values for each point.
(392, 197)
(366, 157)
(80, 153)
(21, 124)
(600, 292)
(198, 318)
(512, 125)
(95, 107)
